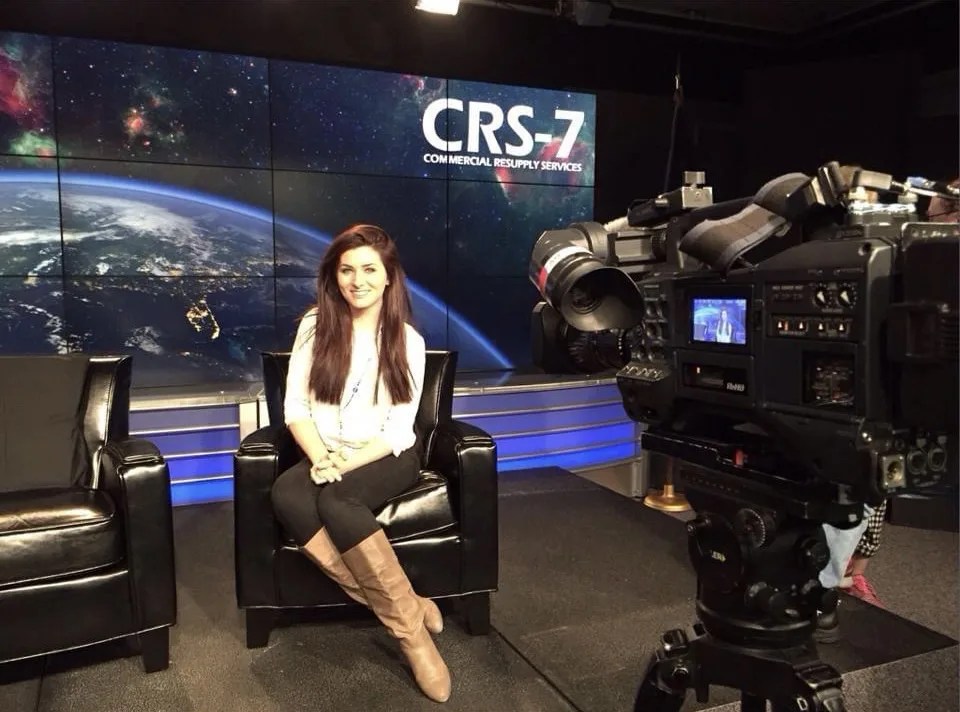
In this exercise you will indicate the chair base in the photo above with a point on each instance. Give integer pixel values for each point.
(155, 649)
(260, 621)
(476, 613)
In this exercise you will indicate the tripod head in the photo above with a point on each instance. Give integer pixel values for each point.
(756, 543)
(758, 547)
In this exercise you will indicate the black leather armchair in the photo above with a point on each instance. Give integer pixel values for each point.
(91, 560)
(444, 528)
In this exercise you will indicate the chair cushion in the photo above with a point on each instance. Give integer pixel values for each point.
(41, 421)
(424, 509)
(53, 533)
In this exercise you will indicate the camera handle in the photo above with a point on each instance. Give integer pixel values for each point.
(793, 679)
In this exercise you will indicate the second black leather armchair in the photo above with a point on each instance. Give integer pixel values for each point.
(90, 559)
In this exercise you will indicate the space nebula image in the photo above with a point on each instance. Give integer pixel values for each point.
(26, 97)
(133, 102)
(341, 120)
(182, 210)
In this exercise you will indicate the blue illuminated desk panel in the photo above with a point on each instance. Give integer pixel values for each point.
(575, 424)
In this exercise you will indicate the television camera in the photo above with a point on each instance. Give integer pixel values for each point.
(795, 351)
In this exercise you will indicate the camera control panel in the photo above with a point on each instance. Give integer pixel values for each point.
(815, 310)
(648, 340)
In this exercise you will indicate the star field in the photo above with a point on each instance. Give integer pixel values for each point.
(348, 120)
(26, 103)
(133, 102)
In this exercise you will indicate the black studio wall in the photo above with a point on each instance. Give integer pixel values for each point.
(481, 43)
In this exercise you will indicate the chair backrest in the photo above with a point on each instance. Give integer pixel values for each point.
(80, 399)
(436, 403)
(106, 407)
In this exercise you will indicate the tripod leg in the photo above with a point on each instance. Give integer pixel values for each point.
(834, 705)
(651, 697)
(830, 704)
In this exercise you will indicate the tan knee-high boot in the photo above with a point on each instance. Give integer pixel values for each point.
(390, 595)
(323, 552)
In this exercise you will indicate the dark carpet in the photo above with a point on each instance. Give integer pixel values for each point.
(330, 663)
(589, 580)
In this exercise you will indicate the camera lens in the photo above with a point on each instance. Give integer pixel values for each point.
(583, 301)
(599, 351)
(568, 268)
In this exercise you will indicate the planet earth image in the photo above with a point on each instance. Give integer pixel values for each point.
(181, 279)
(30, 225)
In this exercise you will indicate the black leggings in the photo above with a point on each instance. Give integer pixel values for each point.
(345, 508)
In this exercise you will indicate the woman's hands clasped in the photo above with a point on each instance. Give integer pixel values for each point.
(330, 468)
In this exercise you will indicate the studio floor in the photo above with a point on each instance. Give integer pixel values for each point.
(589, 579)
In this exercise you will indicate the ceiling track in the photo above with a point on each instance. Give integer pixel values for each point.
(727, 32)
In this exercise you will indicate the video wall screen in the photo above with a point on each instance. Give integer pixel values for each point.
(122, 218)
(30, 235)
(26, 95)
(175, 204)
(136, 103)
(180, 329)
(31, 315)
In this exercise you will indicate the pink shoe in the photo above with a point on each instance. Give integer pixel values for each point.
(862, 589)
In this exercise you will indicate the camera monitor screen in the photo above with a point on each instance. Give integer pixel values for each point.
(719, 320)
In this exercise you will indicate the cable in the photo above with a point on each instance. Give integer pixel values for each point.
(677, 102)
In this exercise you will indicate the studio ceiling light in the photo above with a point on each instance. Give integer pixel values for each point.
(441, 7)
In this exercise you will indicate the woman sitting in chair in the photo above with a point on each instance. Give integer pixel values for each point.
(353, 390)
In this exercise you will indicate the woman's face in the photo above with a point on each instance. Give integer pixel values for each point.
(362, 278)
(723, 315)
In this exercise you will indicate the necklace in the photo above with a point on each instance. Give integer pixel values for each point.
(353, 393)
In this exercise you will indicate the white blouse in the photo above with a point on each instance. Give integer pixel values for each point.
(356, 420)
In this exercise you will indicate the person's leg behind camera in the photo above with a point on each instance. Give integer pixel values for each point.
(855, 582)
(841, 543)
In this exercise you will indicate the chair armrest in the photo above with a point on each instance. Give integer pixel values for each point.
(262, 456)
(467, 457)
(137, 478)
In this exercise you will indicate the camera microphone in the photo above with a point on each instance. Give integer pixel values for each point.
(871, 180)
(925, 186)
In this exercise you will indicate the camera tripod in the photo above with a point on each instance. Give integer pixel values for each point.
(757, 555)
(792, 678)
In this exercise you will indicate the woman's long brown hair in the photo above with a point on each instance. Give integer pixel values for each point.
(333, 338)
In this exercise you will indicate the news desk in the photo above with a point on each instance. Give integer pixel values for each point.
(577, 423)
